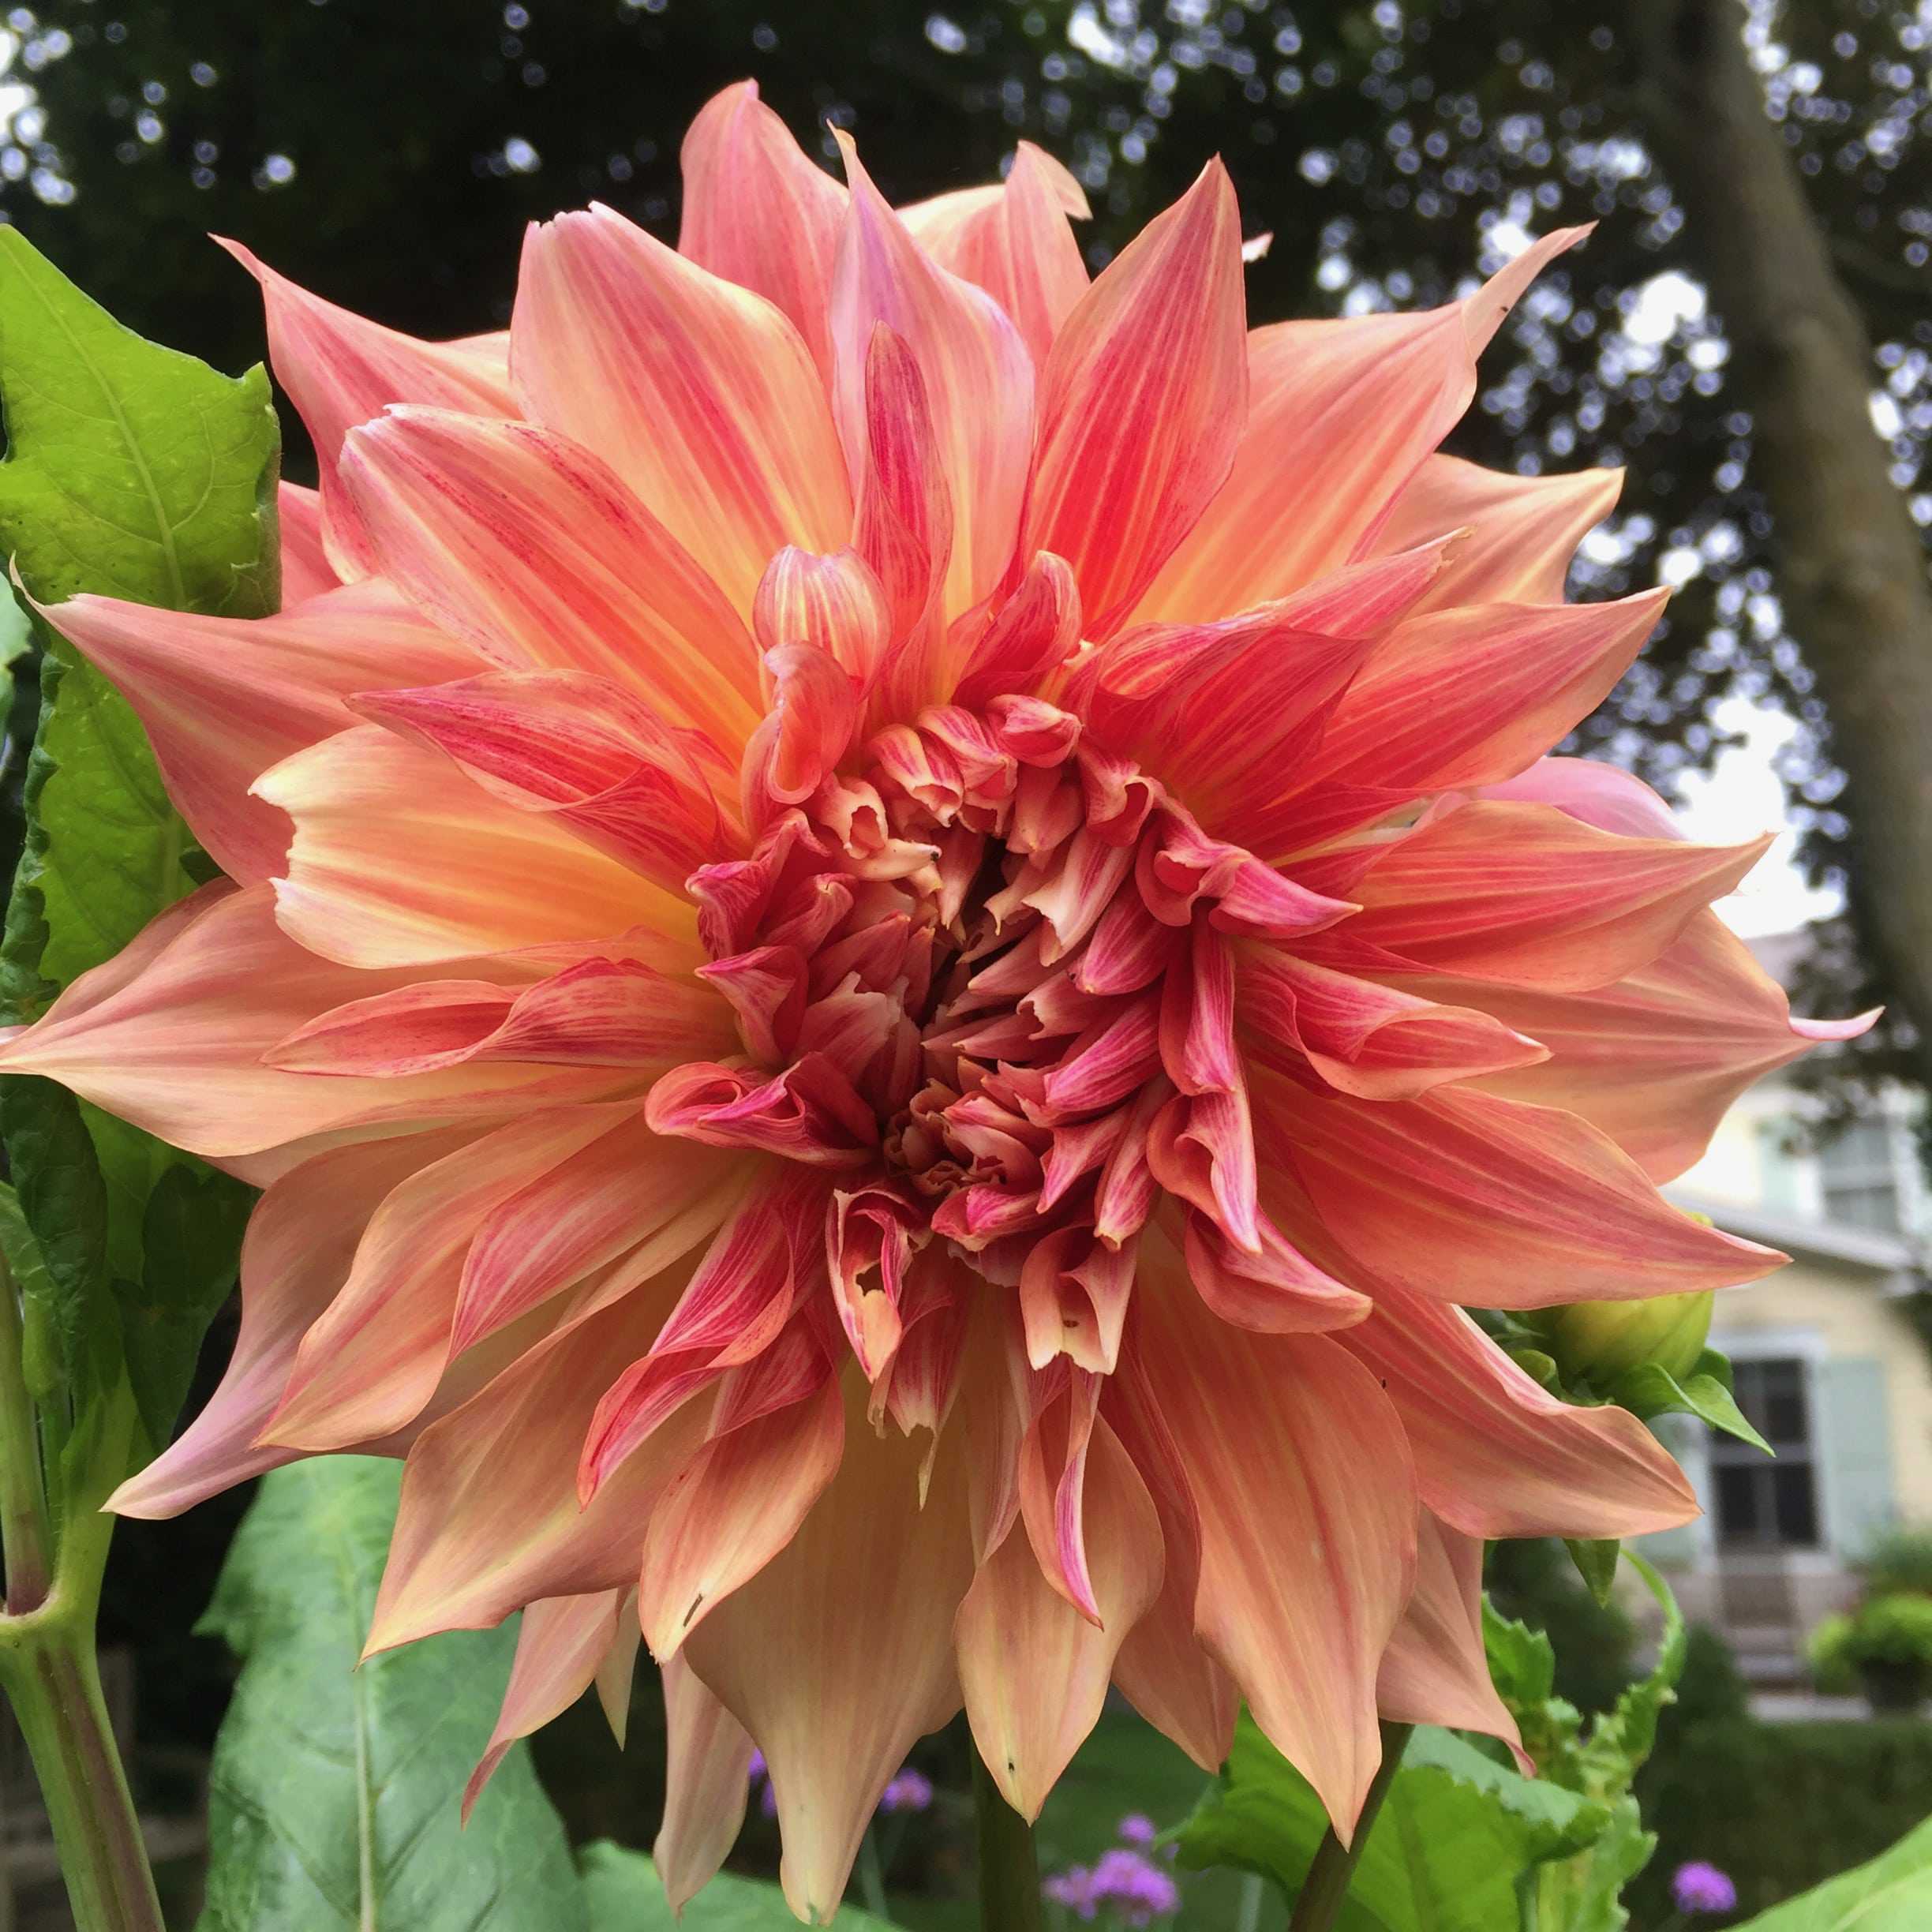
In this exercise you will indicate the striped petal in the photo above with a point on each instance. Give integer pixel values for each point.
(1340, 416)
(1490, 1203)
(340, 369)
(837, 1655)
(977, 375)
(400, 859)
(526, 545)
(759, 213)
(699, 393)
(223, 698)
(1305, 1491)
(306, 572)
(1142, 402)
(707, 1777)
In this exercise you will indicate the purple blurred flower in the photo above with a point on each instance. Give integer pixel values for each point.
(1072, 1889)
(1136, 1829)
(1136, 1886)
(1701, 1887)
(911, 1791)
(756, 1768)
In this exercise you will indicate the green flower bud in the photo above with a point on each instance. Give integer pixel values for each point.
(1601, 1340)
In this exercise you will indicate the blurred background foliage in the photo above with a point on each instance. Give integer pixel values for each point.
(389, 155)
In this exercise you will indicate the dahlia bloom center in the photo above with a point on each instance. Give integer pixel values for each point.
(987, 973)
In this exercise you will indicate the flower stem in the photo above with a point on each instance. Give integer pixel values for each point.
(48, 1664)
(1010, 1886)
(50, 1676)
(22, 1496)
(1334, 1864)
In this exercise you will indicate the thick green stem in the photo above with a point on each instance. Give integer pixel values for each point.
(22, 1496)
(51, 1677)
(1010, 1883)
(1334, 1864)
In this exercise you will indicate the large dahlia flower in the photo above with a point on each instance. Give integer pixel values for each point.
(899, 946)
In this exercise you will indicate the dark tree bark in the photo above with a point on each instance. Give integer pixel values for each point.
(1853, 566)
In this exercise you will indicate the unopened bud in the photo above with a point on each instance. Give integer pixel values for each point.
(1602, 1339)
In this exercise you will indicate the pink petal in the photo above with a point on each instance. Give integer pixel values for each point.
(977, 374)
(1655, 1059)
(1014, 242)
(1519, 533)
(1142, 402)
(176, 1046)
(526, 544)
(340, 369)
(306, 572)
(759, 213)
(700, 394)
(1340, 416)
(1528, 896)
(1497, 1454)
(579, 748)
(1467, 1198)
(223, 698)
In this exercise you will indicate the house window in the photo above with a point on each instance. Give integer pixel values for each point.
(1860, 1177)
(1761, 1504)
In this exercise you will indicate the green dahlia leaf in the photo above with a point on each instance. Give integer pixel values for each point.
(625, 1896)
(334, 1798)
(133, 471)
(1455, 1836)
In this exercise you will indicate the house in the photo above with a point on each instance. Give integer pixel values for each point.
(1832, 1358)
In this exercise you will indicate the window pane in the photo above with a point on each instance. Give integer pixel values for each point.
(1863, 1149)
(1797, 1503)
(1738, 1517)
(1875, 1206)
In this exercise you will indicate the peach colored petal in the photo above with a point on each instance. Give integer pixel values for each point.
(527, 545)
(1034, 1670)
(1528, 896)
(490, 1519)
(707, 1776)
(399, 859)
(759, 213)
(699, 393)
(837, 1655)
(1014, 242)
(177, 1048)
(223, 698)
(1304, 1489)
(1496, 1454)
(1141, 403)
(300, 1245)
(1518, 534)
(1654, 1059)
(560, 1646)
(737, 1505)
(1436, 1670)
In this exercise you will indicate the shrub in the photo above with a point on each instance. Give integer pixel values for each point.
(1885, 1644)
(1899, 1564)
(1779, 1806)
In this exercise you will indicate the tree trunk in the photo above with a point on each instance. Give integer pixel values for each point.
(1851, 565)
